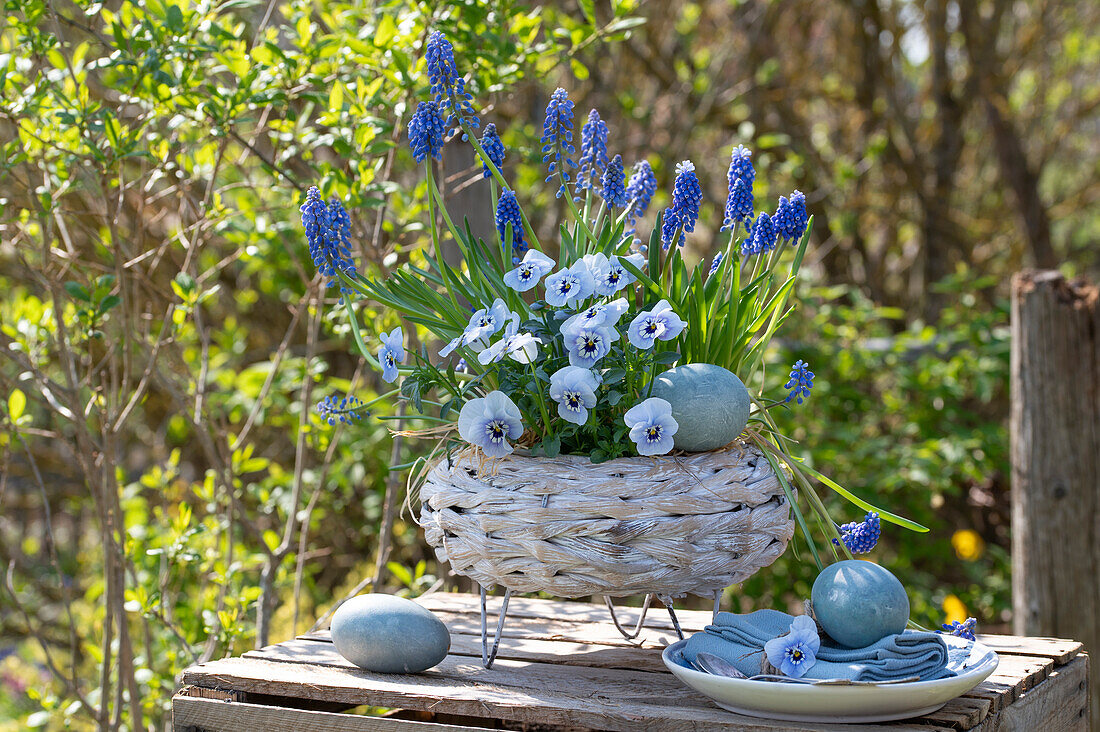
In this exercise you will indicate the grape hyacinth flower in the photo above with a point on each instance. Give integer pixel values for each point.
(613, 191)
(794, 653)
(652, 426)
(522, 347)
(964, 629)
(391, 353)
(609, 274)
(715, 263)
(534, 267)
(483, 323)
(593, 158)
(568, 286)
(587, 344)
(660, 323)
(426, 132)
(327, 231)
(493, 147)
(574, 389)
(489, 423)
(639, 192)
(344, 410)
(761, 236)
(508, 213)
(861, 537)
(448, 88)
(740, 177)
(557, 137)
(681, 216)
(800, 383)
(791, 217)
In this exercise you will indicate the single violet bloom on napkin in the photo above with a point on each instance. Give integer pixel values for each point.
(794, 653)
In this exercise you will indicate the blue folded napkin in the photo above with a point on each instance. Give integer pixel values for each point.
(740, 640)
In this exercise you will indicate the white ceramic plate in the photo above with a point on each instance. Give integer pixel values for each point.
(806, 703)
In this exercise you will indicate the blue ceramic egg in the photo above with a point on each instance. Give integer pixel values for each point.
(389, 634)
(859, 603)
(709, 403)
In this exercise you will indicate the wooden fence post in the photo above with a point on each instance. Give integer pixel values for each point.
(1055, 446)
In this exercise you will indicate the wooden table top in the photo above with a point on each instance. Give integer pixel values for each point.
(563, 663)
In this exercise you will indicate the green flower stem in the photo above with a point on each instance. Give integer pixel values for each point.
(499, 178)
(542, 402)
(573, 208)
(437, 249)
(358, 336)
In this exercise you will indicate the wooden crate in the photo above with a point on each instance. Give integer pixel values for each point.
(563, 666)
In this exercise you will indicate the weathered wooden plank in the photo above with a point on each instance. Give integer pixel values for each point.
(1060, 650)
(564, 652)
(960, 713)
(604, 709)
(1060, 703)
(546, 629)
(223, 716)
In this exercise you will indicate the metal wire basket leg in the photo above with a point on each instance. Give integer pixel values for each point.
(641, 618)
(487, 655)
(667, 602)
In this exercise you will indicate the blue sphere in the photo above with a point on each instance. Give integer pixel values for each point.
(858, 603)
(709, 403)
(389, 634)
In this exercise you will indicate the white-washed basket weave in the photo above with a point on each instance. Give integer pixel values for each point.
(669, 526)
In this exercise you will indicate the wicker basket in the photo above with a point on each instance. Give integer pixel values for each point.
(669, 526)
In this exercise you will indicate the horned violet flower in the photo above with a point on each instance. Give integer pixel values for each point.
(587, 344)
(800, 383)
(483, 323)
(639, 192)
(534, 267)
(794, 653)
(391, 353)
(609, 274)
(613, 191)
(599, 315)
(489, 423)
(652, 426)
(493, 147)
(508, 213)
(660, 323)
(593, 151)
(681, 216)
(426, 132)
(574, 389)
(557, 137)
(861, 537)
(522, 347)
(569, 286)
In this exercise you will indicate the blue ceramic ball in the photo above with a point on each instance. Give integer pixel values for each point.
(709, 403)
(389, 634)
(859, 603)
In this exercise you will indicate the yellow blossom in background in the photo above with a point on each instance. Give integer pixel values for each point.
(969, 546)
(954, 610)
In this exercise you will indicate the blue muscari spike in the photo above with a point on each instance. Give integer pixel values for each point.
(740, 176)
(508, 213)
(493, 147)
(800, 383)
(761, 237)
(448, 88)
(613, 191)
(328, 231)
(861, 537)
(426, 132)
(593, 160)
(715, 264)
(557, 137)
(684, 211)
(344, 411)
(639, 192)
(799, 217)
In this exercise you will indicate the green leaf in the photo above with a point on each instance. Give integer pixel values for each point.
(77, 291)
(886, 515)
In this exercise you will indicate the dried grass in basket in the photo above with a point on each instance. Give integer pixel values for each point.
(671, 526)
